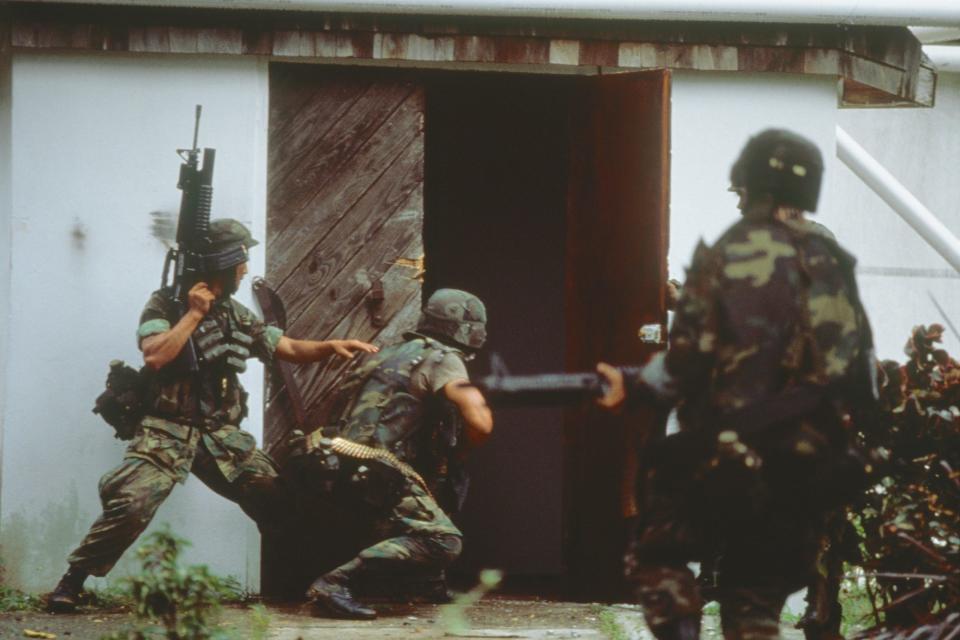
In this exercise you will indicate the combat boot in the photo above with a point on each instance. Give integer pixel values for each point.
(687, 628)
(332, 597)
(66, 595)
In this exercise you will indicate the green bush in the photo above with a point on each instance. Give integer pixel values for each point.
(174, 602)
(910, 520)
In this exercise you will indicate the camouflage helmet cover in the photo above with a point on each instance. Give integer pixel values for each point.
(456, 315)
(226, 231)
(783, 164)
(229, 241)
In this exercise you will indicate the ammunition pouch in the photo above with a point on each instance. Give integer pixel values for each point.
(121, 404)
(215, 347)
(328, 472)
(440, 458)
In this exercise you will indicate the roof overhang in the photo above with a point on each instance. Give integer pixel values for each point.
(875, 65)
(922, 13)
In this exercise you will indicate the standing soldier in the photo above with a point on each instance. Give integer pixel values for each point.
(770, 355)
(191, 419)
(387, 450)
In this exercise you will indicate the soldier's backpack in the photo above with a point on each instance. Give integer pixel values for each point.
(121, 403)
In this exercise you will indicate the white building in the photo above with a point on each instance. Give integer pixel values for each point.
(515, 136)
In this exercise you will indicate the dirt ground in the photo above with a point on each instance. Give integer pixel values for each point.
(494, 617)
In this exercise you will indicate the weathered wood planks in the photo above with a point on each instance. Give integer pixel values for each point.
(345, 209)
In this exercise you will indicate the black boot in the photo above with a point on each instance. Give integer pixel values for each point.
(66, 595)
(332, 598)
(681, 629)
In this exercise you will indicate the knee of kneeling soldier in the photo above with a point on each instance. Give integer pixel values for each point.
(446, 548)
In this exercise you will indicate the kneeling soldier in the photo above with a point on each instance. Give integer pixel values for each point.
(382, 440)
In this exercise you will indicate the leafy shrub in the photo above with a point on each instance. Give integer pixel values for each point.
(910, 520)
(174, 602)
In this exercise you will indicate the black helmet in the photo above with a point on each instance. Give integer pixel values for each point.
(779, 162)
(229, 242)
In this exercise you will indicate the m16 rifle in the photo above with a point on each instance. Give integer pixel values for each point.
(503, 390)
(191, 255)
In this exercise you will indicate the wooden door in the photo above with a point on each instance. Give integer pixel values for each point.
(615, 280)
(344, 217)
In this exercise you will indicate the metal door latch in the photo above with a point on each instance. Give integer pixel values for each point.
(650, 334)
(375, 300)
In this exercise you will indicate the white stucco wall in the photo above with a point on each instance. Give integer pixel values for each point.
(5, 230)
(93, 155)
(898, 271)
(712, 117)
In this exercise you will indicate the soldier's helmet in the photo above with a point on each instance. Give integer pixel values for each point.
(229, 242)
(783, 164)
(457, 316)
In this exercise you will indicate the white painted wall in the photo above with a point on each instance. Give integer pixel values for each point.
(712, 117)
(93, 155)
(5, 230)
(898, 270)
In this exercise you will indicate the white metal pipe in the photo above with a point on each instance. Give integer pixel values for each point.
(945, 57)
(882, 182)
(921, 13)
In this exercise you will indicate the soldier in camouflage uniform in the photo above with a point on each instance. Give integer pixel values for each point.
(386, 404)
(770, 355)
(191, 421)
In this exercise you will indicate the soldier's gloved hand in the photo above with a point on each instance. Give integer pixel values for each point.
(616, 393)
(200, 298)
(349, 348)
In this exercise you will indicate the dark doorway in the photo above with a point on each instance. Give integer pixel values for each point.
(495, 199)
(547, 197)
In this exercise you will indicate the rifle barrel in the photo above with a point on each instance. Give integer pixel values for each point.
(546, 389)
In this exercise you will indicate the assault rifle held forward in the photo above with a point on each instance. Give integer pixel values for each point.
(190, 256)
(545, 389)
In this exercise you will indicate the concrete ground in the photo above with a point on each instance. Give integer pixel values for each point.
(494, 617)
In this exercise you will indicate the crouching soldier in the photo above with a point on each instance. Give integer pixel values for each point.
(380, 453)
(191, 418)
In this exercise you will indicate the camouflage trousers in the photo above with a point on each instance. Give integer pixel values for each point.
(132, 492)
(760, 561)
(415, 536)
(670, 593)
(838, 543)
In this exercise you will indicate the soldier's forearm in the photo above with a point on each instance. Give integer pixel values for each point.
(162, 348)
(302, 351)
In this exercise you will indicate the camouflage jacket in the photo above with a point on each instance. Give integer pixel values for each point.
(771, 305)
(186, 409)
(380, 406)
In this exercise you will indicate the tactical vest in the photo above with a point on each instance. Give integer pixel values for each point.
(223, 345)
(381, 407)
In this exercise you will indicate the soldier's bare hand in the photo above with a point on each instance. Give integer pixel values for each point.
(349, 348)
(200, 298)
(616, 391)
